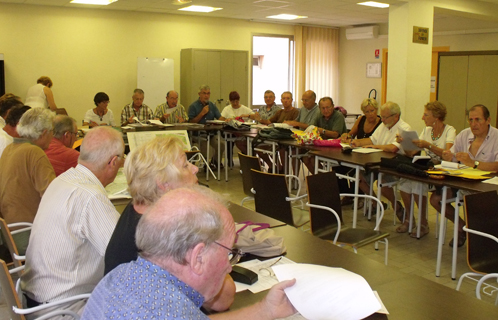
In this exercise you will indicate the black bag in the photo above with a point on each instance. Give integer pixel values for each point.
(271, 133)
(236, 125)
(404, 164)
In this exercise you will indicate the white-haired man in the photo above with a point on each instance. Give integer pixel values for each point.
(185, 244)
(60, 152)
(74, 223)
(137, 109)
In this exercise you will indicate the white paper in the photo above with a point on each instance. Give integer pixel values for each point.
(327, 293)
(281, 125)
(366, 150)
(408, 137)
(159, 123)
(492, 181)
(265, 281)
(118, 189)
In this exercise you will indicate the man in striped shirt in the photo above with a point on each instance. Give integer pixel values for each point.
(73, 225)
(137, 109)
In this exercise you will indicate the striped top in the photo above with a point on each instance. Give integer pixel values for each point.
(143, 114)
(71, 230)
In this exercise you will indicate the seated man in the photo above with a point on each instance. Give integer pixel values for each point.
(384, 138)
(185, 244)
(282, 115)
(331, 125)
(199, 112)
(171, 111)
(73, 225)
(308, 114)
(25, 171)
(136, 109)
(266, 112)
(60, 152)
(475, 147)
(155, 168)
(9, 132)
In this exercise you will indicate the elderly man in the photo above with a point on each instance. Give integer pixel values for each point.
(475, 147)
(384, 138)
(25, 171)
(60, 152)
(331, 125)
(199, 112)
(9, 132)
(266, 112)
(171, 111)
(285, 114)
(136, 109)
(74, 223)
(185, 244)
(8, 101)
(308, 113)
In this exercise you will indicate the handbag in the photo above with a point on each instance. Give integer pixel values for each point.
(258, 239)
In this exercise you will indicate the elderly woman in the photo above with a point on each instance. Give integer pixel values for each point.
(435, 138)
(100, 115)
(40, 95)
(152, 170)
(235, 109)
(365, 126)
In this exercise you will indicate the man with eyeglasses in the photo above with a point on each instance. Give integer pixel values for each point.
(185, 244)
(60, 152)
(384, 138)
(73, 225)
(475, 147)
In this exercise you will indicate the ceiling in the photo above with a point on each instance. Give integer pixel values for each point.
(331, 13)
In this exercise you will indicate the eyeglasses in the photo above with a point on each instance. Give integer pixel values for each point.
(122, 156)
(385, 118)
(234, 255)
(476, 120)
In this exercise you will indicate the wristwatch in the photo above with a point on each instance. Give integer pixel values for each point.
(476, 163)
(323, 132)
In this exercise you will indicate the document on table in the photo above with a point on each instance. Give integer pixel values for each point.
(328, 293)
(118, 189)
(493, 180)
(159, 123)
(366, 150)
(266, 277)
(408, 137)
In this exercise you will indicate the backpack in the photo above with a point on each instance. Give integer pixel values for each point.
(273, 134)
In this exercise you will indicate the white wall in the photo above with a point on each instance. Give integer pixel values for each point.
(85, 51)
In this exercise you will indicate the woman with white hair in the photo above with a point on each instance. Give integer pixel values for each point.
(151, 171)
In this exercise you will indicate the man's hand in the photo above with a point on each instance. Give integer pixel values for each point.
(180, 119)
(164, 117)
(205, 110)
(131, 119)
(464, 158)
(276, 302)
(447, 155)
(292, 123)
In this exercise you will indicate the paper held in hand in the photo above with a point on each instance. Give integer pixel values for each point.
(408, 137)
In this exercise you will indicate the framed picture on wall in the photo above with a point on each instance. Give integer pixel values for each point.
(374, 70)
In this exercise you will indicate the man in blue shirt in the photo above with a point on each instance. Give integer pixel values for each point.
(185, 244)
(200, 111)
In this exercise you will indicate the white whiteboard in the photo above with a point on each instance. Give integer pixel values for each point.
(155, 77)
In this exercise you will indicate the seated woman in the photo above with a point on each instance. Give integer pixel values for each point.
(152, 170)
(364, 127)
(235, 110)
(435, 138)
(100, 115)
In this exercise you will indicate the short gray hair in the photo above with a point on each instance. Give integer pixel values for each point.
(150, 165)
(99, 146)
(393, 107)
(140, 91)
(34, 122)
(269, 91)
(204, 87)
(176, 224)
(285, 93)
(326, 98)
(63, 124)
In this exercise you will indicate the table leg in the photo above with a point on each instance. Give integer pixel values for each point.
(219, 155)
(455, 237)
(208, 147)
(420, 204)
(379, 194)
(225, 134)
(441, 232)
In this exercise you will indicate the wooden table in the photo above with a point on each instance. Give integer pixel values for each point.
(448, 182)
(406, 296)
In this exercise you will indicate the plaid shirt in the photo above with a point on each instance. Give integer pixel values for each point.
(179, 111)
(265, 115)
(144, 113)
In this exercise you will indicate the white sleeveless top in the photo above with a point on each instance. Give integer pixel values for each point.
(35, 98)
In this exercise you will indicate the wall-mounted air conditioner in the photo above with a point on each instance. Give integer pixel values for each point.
(370, 32)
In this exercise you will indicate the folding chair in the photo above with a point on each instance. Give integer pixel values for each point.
(326, 215)
(13, 298)
(482, 241)
(17, 259)
(272, 198)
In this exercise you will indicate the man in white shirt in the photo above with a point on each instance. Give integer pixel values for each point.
(384, 138)
(73, 225)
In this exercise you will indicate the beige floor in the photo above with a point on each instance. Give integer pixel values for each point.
(417, 257)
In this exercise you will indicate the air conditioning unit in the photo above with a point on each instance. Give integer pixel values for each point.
(370, 32)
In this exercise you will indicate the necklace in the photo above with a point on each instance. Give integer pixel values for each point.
(436, 137)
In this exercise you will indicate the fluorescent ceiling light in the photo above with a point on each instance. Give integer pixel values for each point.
(374, 4)
(95, 2)
(287, 17)
(194, 8)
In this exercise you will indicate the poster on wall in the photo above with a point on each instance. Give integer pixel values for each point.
(155, 77)
(374, 70)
